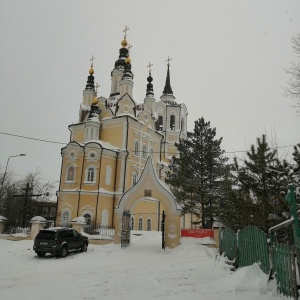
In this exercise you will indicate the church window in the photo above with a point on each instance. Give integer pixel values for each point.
(90, 174)
(149, 224)
(144, 151)
(65, 220)
(172, 122)
(92, 133)
(72, 155)
(88, 219)
(71, 173)
(134, 179)
(132, 223)
(140, 224)
(136, 148)
(160, 123)
(92, 155)
(182, 124)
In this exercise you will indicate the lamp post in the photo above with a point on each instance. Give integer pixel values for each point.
(6, 170)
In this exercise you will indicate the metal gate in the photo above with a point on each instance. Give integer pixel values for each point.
(163, 230)
(125, 235)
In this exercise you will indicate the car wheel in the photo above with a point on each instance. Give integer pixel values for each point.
(64, 252)
(84, 247)
(41, 254)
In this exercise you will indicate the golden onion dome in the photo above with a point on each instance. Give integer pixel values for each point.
(124, 43)
(128, 60)
(91, 71)
(95, 101)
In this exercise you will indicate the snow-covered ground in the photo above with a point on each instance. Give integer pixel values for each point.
(141, 271)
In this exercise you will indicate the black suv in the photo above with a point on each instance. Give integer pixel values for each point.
(59, 241)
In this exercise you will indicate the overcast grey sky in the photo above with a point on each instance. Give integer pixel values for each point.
(227, 66)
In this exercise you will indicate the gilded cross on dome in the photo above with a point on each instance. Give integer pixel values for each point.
(125, 31)
(96, 87)
(92, 61)
(149, 66)
(168, 60)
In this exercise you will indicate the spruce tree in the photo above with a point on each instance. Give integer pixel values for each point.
(263, 178)
(195, 176)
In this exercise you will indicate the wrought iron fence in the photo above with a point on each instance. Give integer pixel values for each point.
(100, 230)
(15, 228)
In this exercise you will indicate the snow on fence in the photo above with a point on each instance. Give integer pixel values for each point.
(250, 245)
(100, 230)
(14, 229)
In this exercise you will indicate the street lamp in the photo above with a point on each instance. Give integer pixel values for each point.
(6, 170)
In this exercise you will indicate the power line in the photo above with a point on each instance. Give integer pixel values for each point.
(31, 138)
(55, 142)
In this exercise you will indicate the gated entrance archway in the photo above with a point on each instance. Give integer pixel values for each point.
(150, 188)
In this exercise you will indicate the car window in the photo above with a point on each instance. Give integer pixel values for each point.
(65, 234)
(76, 234)
(46, 235)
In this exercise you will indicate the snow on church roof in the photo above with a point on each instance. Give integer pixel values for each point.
(103, 144)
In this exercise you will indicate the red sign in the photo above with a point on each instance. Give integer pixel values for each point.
(197, 233)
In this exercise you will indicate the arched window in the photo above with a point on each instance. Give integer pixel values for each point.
(149, 224)
(71, 173)
(90, 175)
(144, 151)
(92, 133)
(140, 224)
(88, 219)
(65, 219)
(134, 179)
(172, 122)
(182, 124)
(136, 148)
(132, 223)
(160, 123)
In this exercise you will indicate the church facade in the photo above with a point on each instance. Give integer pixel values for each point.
(119, 152)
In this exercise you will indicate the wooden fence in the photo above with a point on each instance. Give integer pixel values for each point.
(250, 245)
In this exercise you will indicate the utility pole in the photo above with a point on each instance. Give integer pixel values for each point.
(26, 195)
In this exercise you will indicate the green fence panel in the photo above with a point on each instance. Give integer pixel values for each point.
(284, 267)
(228, 243)
(252, 247)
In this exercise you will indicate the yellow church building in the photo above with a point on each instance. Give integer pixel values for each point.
(118, 155)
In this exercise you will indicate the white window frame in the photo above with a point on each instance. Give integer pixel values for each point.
(144, 153)
(134, 179)
(67, 174)
(140, 227)
(171, 117)
(149, 221)
(136, 148)
(87, 175)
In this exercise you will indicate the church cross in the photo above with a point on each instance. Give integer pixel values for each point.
(149, 66)
(97, 85)
(92, 61)
(168, 60)
(125, 31)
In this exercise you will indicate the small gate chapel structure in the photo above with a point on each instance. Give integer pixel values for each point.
(118, 155)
